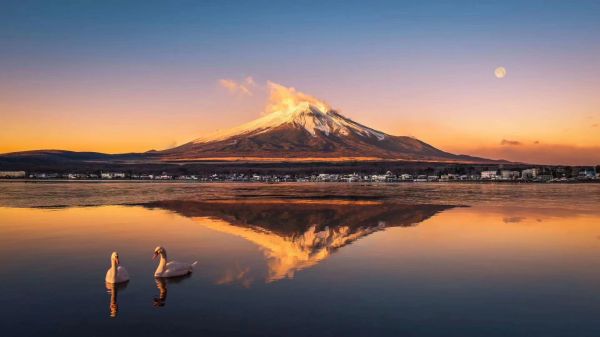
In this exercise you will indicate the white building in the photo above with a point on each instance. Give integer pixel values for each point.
(352, 178)
(382, 177)
(12, 174)
(530, 173)
(112, 175)
(488, 175)
(509, 175)
(449, 177)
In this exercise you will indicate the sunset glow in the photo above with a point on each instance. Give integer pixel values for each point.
(313, 168)
(155, 76)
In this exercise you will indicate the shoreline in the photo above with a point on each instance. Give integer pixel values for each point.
(191, 181)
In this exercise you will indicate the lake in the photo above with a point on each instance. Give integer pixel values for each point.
(431, 259)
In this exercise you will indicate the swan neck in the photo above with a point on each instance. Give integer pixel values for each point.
(162, 264)
(113, 268)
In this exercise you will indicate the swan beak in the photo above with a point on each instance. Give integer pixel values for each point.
(154, 256)
(117, 260)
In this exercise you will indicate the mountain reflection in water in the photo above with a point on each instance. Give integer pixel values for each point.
(490, 269)
(296, 235)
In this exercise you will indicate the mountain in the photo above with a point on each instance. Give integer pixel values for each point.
(62, 156)
(298, 127)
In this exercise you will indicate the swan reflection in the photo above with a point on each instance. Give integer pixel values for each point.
(113, 289)
(161, 300)
(162, 286)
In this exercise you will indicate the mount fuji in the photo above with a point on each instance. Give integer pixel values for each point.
(295, 127)
(299, 127)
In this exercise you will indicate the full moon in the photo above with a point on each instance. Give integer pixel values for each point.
(500, 72)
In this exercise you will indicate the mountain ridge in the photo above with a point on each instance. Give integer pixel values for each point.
(295, 127)
(300, 127)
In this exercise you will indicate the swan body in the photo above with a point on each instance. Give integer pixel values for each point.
(116, 273)
(171, 268)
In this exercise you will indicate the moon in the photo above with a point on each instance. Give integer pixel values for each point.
(500, 72)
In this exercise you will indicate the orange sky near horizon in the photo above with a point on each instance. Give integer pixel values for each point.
(541, 127)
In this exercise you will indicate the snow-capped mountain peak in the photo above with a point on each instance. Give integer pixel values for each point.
(293, 108)
(299, 127)
(313, 119)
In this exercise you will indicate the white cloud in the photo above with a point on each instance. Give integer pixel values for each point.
(244, 87)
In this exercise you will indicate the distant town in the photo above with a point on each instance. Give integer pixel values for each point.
(535, 174)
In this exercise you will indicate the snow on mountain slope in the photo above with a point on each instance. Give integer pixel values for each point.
(297, 109)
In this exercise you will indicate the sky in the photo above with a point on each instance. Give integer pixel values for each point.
(130, 76)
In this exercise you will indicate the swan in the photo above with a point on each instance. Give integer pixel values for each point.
(171, 268)
(116, 273)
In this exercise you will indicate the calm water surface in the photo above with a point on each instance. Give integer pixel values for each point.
(302, 259)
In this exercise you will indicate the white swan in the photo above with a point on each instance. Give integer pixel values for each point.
(172, 268)
(116, 273)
